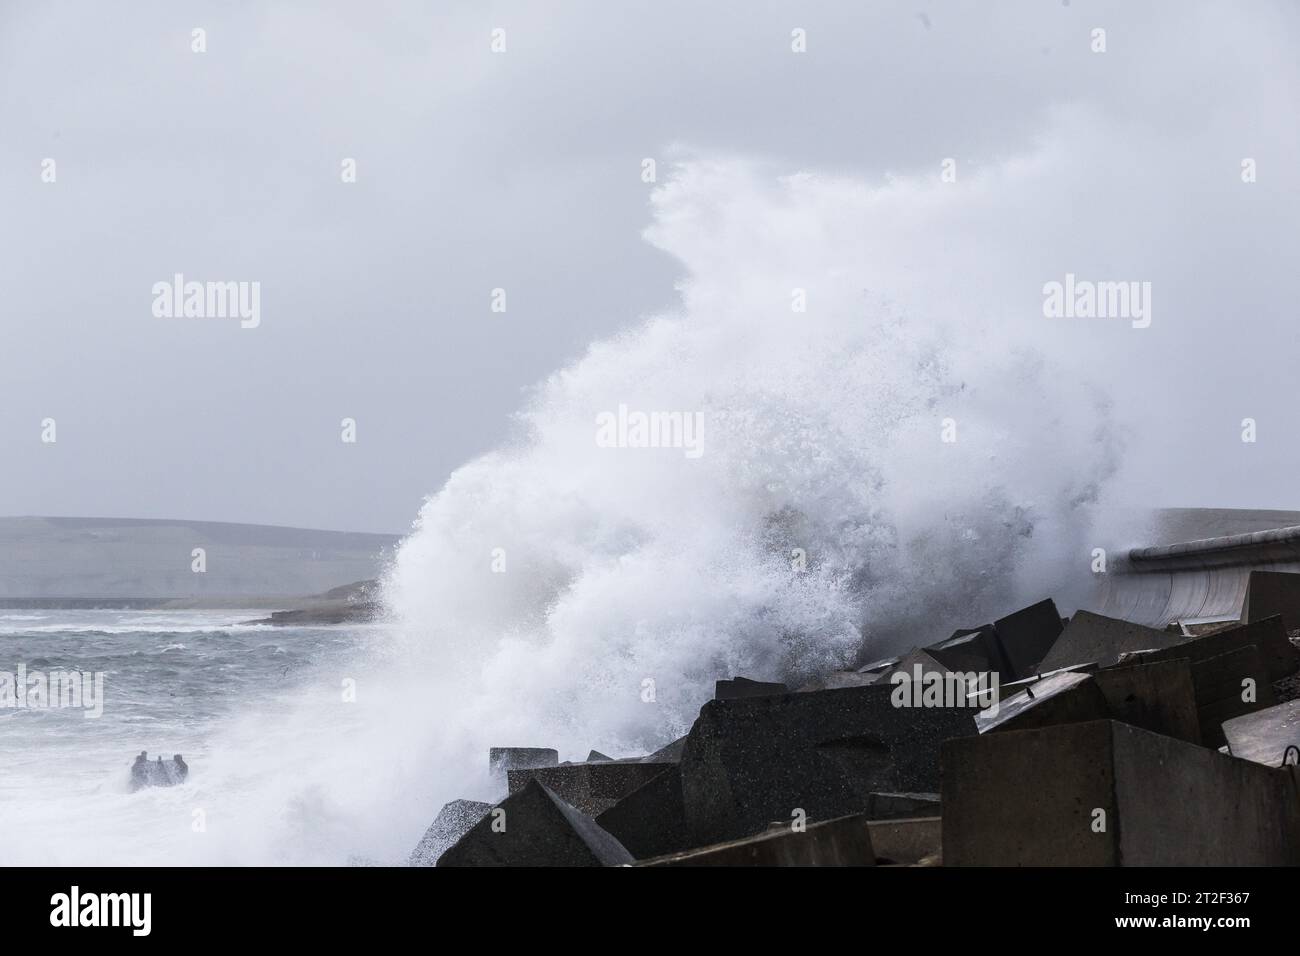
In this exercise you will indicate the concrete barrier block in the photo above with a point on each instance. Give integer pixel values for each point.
(907, 840)
(1273, 592)
(503, 759)
(1228, 686)
(591, 787)
(970, 649)
(1027, 636)
(1105, 793)
(748, 762)
(1101, 640)
(741, 687)
(1265, 735)
(889, 806)
(1061, 699)
(651, 820)
(534, 827)
(841, 842)
(1159, 697)
(453, 821)
(1280, 657)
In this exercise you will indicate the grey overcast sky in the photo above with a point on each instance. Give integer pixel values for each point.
(522, 170)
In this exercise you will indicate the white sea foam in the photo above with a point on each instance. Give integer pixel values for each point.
(822, 431)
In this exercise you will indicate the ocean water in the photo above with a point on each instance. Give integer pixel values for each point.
(281, 768)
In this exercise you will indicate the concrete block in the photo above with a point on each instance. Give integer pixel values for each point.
(1062, 699)
(741, 687)
(452, 822)
(537, 828)
(1027, 636)
(669, 753)
(1273, 592)
(1221, 690)
(907, 840)
(971, 649)
(503, 759)
(591, 787)
(1099, 639)
(651, 820)
(1265, 735)
(842, 842)
(909, 662)
(1159, 697)
(1279, 656)
(749, 762)
(889, 806)
(1029, 798)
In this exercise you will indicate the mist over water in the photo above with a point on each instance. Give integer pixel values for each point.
(822, 432)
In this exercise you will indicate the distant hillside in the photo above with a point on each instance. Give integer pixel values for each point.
(150, 560)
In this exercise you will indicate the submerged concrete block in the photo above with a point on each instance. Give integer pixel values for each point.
(534, 827)
(1095, 638)
(452, 822)
(651, 820)
(741, 687)
(1027, 636)
(1159, 697)
(842, 842)
(1265, 735)
(591, 787)
(1064, 698)
(1273, 592)
(1104, 794)
(1278, 654)
(749, 762)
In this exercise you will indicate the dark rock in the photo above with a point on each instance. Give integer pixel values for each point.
(536, 828)
(1265, 735)
(741, 687)
(842, 842)
(1095, 638)
(1027, 636)
(748, 762)
(452, 822)
(651, 820)
(1027, 798)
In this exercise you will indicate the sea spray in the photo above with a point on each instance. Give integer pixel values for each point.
(877, 470)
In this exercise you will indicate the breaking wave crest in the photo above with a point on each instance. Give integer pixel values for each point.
(552, 584)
